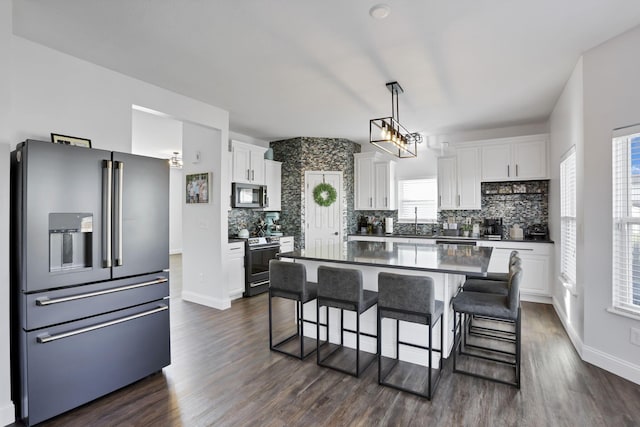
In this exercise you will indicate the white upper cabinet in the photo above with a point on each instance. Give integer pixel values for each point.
(468, 176)
(447, 187)
(515, 159)
(459, 180)
(375, 182)
(385, 185)
(248, 163)
(273, 180)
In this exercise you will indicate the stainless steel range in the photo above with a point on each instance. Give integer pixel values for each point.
(258, 252)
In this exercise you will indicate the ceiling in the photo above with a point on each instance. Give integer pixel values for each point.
(286, 68)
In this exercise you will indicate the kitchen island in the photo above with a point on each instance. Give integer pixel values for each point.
(447, 265)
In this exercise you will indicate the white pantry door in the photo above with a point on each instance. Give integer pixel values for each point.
(323, 225)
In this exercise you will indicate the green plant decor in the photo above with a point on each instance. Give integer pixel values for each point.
(324, 194)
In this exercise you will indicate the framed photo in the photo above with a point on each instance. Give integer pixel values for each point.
(197, 189)
(70, 140)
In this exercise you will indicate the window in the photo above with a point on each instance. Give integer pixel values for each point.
(421, 194)
(626, 220)
(568, 219)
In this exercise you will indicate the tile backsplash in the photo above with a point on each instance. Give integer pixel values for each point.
(523, 202)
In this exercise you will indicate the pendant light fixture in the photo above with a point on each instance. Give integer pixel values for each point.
(389, 135)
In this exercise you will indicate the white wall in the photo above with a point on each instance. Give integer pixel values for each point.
(204, 281)
(566, 130)
(611, 100)
(6, 406)
(159, 136)
(54, 92)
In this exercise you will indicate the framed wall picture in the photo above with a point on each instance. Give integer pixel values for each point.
(197, 188)
(70, 140)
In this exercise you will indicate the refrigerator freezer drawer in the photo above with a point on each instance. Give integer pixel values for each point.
(64, 305)
(72, 364)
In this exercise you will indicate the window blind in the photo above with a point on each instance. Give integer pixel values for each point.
(421, 194)
(568, 217)
(626, 220)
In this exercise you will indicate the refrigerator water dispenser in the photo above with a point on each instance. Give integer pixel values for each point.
(70, 237)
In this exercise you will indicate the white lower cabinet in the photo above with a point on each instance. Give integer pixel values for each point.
(235, 263)
(286, 244)
(537, 268)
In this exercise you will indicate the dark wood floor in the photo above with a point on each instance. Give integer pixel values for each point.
(223, 374)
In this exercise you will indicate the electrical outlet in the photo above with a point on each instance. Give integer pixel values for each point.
(635, 336)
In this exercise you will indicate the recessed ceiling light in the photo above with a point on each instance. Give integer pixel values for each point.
(380, 11)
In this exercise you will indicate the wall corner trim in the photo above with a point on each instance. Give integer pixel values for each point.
(7, 413)
(573, 335)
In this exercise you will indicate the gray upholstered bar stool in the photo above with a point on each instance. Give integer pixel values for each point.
(505, 308)
(493, 283)
(289, 280)
(341, 288)
(409, 299)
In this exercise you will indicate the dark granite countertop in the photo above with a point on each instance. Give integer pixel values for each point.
(441, 237)
(456, 259)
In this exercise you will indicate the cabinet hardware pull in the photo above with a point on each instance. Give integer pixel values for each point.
(516, 169)
(48, 338)
(508, 171)
(253, 175)
(248, 175)
(458, 200)
(44, 301)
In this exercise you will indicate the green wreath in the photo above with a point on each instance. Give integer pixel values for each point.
(324, 194)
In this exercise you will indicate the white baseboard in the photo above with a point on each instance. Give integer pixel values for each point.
(615, 365)
(610, 363)
(7, 414)
(218, 303)
(535, 298)
(573, 335)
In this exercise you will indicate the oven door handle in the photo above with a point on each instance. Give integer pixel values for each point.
(261, 247)
(45, 338)
(264, 282)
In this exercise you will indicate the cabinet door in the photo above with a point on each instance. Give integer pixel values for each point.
(241, 164)
(447, 196)
(273, 181)
(382, 186)
(236, 269)
(257, 166)
(468, 178)
(496, 161)
(535, 278)
(530, 160)
(286, 244)
(363, 184)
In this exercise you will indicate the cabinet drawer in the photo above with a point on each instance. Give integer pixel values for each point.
(71, 364)
(64, 305)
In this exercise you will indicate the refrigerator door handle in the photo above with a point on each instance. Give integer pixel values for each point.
(45, 338)
(107, 190)
(119, 167)
(44, 301)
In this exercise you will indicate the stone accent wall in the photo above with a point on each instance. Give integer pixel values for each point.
(302, 154)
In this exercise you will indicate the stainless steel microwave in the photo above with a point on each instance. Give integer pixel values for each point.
(248, 196)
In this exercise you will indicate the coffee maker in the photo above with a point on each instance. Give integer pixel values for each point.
(493, 228)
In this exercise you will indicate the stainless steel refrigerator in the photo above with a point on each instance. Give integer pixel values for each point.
(89, 274)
